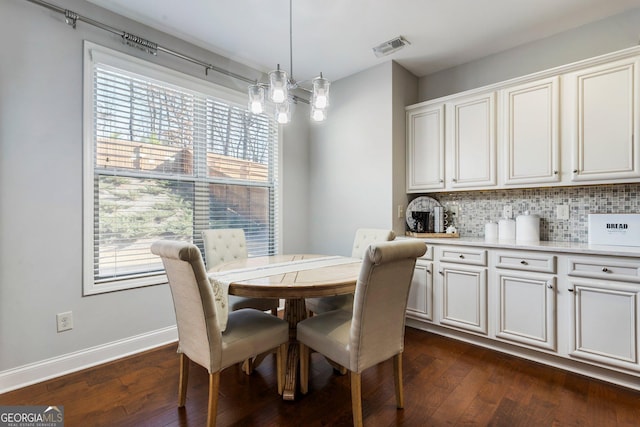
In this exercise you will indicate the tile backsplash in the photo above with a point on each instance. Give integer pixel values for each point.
(479, 207)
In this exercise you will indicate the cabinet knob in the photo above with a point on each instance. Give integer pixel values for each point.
(441, 272)
(575, 171)
(570, 289)
(454, 180)
(605, 269)
(549, 285)
(523, 262)
(441, 180)
(428, 271)
(555, 172)
(461, 256)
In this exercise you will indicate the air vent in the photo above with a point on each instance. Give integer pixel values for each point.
(390, 46)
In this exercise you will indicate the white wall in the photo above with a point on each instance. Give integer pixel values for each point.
(41, 185)
(604, 36)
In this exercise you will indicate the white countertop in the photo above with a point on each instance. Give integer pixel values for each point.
(546, 246)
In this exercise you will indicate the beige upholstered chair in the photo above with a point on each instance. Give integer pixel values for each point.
(249, 332)
(364, 237)
(374, 331)
(227, 244)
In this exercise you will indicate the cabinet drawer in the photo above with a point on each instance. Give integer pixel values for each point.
(604, 268)
(544, 263)
(464, 256)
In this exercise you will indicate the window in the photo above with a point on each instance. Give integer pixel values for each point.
(167, 156)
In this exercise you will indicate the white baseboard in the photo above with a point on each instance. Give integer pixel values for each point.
(33, 373)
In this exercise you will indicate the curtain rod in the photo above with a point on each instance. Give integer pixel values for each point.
(150, 47)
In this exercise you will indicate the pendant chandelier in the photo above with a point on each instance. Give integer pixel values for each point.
(279, 88)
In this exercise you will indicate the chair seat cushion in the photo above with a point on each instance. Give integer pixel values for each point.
(262, 304)
(324, 304)
(251, 332)
(328, 332)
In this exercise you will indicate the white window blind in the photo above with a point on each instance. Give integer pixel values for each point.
(167, 157)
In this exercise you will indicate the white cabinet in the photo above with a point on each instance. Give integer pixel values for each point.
(526, 299)
(529, 120)
(425, 148)
(463, 284)
(420, 303)
(601, 108)
(604, 310)
(471, 142)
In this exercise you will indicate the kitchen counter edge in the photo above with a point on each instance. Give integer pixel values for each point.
(542, 246)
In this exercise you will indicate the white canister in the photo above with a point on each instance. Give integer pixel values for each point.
(528, 228)
(506, 229)
(491, 231)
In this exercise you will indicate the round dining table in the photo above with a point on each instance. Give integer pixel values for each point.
(337, 276)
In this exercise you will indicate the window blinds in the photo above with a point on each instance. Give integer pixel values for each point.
(168, 162)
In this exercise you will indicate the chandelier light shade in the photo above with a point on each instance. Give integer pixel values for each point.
(256, 99)
(283, 113)
(320, 94)
(280, 87)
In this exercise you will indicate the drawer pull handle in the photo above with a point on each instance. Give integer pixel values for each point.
(461, 256)
(523, 262)
(570, 289)
(575, 171)
(549, 285)
(605, 269)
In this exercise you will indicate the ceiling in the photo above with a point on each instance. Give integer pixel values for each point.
(336, 37)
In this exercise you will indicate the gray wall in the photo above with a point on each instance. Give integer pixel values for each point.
(41, 184)
(608, 35)
(357, 157)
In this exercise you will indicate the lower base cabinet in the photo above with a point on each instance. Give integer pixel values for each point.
(527, 310)
(571, 310)
(605, 322)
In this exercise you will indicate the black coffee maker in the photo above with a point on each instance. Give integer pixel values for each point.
(420, 221)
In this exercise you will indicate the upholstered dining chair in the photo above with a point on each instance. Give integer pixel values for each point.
(248, 333)
(227, 244)
(363, 238)
(374, 331)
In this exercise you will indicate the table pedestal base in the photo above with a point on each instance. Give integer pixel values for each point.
(294, 312)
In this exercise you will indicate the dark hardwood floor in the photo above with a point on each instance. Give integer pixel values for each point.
(446, 382)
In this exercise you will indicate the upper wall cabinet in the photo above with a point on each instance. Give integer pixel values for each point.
(571, 125)
(529, 131)
(425, 148)
(602, 115)
(471, 139)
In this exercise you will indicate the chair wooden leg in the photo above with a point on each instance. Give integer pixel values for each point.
(184, 378)
(214, 388)
(397, 375)
(356, 398)
(247, 366)
(304, 369)
(281, 357)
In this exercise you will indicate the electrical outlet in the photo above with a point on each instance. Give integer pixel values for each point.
(400, 211)
(507, 211)
(454, 210)
(562, 211)
(65, 321)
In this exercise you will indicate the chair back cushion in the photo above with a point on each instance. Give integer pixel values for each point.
(366, 236)
(198, 332)
(380, 302)
(224, 244)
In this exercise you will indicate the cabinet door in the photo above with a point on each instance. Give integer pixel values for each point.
(472, 141)
(605, 322)
(425, 148)
(464, 297)
(604, 120)
(420, 304)
(527, 309)
(530, 132)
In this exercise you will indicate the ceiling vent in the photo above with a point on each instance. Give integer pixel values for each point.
(390, 46)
